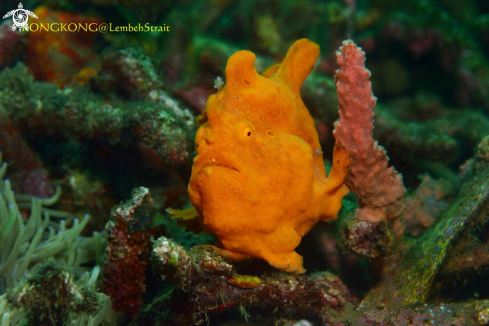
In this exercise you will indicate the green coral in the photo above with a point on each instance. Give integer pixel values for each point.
(78, 114)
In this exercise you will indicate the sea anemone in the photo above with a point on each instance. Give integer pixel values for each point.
(26, 244)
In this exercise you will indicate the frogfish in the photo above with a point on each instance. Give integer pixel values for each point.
(258, 182)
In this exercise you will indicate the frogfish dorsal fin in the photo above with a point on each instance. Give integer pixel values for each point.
(298, 64)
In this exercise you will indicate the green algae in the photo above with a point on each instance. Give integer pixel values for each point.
(417, 262)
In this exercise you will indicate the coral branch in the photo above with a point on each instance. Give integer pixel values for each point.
(79, 115)
(207, 283)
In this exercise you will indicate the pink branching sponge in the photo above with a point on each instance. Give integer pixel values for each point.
(379, 188)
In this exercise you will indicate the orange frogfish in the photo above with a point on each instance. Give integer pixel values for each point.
(258, 181)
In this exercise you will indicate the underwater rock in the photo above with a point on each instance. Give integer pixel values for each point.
(474, 313)
(206, 283)
(409, 277)
(128, 251)
(468, 255)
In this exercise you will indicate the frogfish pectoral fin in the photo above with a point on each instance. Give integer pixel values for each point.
(183, 214)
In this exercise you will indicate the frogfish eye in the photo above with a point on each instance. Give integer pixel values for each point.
(248, 133)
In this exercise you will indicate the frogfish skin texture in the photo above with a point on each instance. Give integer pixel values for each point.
(258, 181)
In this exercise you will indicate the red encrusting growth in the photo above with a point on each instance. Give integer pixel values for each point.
(128, 251)
(59, 49)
